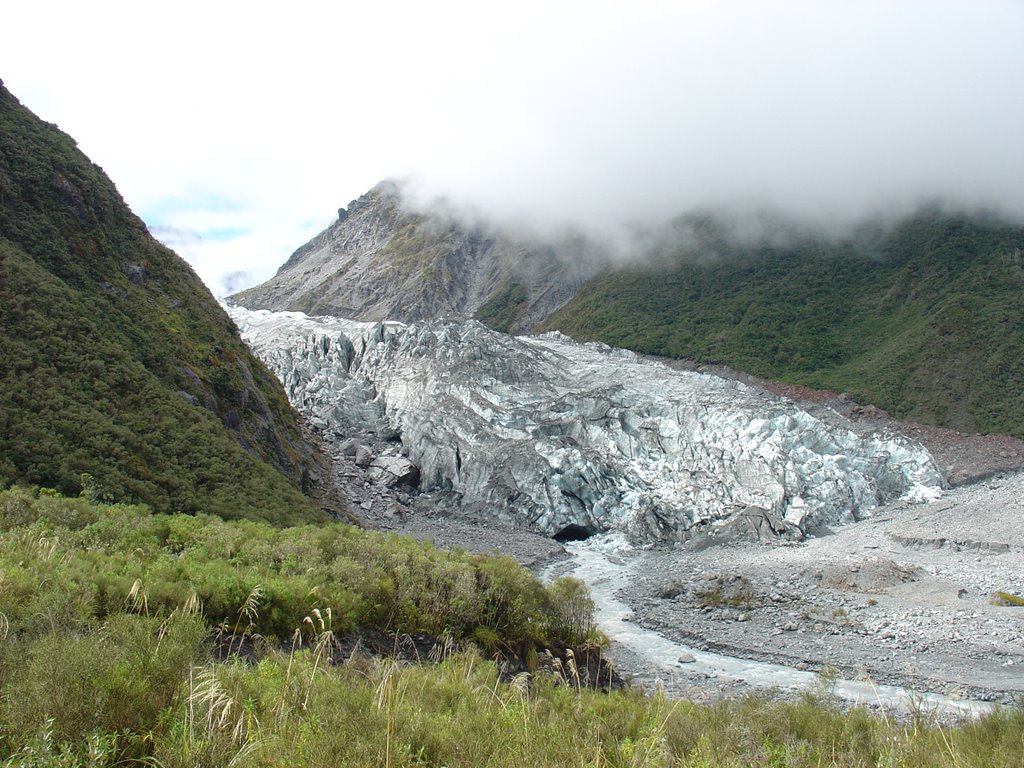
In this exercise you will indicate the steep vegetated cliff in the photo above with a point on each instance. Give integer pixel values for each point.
(120, 375)
(923, 318)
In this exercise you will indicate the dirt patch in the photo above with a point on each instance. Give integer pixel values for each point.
(871, 576)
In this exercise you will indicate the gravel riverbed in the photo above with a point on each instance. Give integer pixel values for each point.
(904, 597)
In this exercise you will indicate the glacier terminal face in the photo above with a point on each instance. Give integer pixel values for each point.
(558, 436)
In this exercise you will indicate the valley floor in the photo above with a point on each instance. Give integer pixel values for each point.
(903, 597)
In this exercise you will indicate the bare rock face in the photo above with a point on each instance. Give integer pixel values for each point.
(382, 260)
(557, 436)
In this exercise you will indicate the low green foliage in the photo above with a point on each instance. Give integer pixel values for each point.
(105, 660)
(922, 320)
(726, 592)
(573, 610)
(67, 563)
(504, 307)
(1006, 598)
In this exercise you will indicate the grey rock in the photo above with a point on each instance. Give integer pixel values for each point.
(136, 273)
(396, 510)
(393, 470)
(383, 259)
(189, 396)
(363, 456)
(348, 447)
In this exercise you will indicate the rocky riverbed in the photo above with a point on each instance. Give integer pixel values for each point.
(904, 598)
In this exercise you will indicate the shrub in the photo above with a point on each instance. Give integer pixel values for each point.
(572, 610)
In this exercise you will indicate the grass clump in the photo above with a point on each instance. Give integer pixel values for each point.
(1006, 599)
(728, 592)
(287, 710)
(69, 562)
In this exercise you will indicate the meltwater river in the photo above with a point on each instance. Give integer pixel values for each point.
(654, 659)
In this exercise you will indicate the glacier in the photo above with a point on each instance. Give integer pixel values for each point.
(553, 435)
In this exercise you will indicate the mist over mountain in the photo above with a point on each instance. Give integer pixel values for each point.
(384, 260)
(918, 314)
(824, 113)
(594, 118)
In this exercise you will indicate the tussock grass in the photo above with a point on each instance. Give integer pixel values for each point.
(67, 563)
(1006, 598)
(97, 668)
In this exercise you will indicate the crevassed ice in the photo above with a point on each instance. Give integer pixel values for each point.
(548, 433)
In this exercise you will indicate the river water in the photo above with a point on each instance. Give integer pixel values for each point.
(603, 562)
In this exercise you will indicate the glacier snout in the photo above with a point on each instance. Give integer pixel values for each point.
(554, 435)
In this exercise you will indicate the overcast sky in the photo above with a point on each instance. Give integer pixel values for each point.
(237, 132)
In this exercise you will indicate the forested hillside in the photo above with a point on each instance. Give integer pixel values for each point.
(120, 375)
(925, 319)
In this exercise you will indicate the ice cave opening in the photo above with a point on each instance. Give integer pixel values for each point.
(573, 532)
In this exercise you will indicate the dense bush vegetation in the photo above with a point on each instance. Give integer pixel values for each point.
(69, 562)
(107, 613)
(923, 319)
(114, 358)
(504, 307)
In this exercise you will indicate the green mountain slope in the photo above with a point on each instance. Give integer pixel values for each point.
(117, 363)
(925, 319)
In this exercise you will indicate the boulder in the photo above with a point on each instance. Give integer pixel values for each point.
(393, 470)
(363, 456)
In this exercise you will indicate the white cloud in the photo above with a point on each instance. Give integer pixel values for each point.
(588, 112)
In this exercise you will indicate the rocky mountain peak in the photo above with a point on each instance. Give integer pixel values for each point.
(384, 259)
